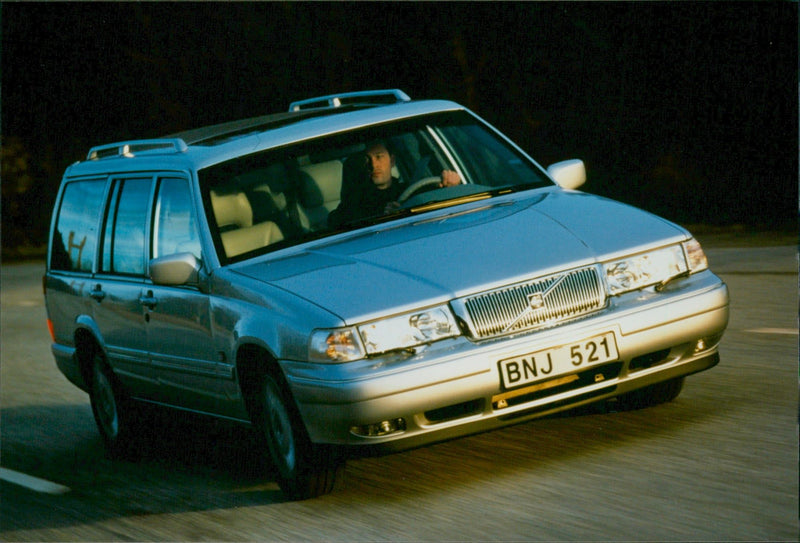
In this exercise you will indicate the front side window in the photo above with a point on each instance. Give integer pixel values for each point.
(174, 224)
(75, 237)
(124, 230)
(273, 199)
(486, 156)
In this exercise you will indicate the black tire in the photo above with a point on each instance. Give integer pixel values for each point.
(109, 407)
(304, 470)
(651, 395)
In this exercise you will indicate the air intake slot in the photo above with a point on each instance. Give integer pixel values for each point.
(455, 411)
(649, 360)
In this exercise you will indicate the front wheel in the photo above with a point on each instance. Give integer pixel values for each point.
(305, 470)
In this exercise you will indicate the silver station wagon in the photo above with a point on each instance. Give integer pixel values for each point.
(364, 271)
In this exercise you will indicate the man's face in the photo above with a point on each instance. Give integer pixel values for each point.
(379, 166)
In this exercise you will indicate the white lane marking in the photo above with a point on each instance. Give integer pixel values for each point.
(779, 331)
(24, 303)
(31, 482)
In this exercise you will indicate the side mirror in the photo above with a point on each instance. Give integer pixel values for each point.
(569, 174)
(175, 270)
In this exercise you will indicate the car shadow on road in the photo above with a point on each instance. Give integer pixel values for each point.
(539, 446)
(187, 463)
(179, 462)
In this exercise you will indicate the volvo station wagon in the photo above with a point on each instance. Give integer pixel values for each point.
(363, 272)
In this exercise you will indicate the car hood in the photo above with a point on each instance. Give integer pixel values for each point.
(438, 256)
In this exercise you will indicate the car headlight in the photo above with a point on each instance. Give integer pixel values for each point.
(409, 330)
(391, 334)
(646, 269)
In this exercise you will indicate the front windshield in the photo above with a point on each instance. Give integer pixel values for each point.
(261, 202)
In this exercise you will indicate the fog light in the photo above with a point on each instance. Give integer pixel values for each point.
(707, 343)
(380, 429)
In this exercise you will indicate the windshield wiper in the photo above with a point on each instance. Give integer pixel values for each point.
(439, 204)
(373, 219)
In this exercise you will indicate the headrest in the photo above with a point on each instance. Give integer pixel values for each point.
(232, 209)
(320, 183)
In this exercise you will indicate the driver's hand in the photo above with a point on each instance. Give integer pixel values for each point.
(391, 207)
(449, 179)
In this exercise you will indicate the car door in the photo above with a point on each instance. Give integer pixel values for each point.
(117, 286)
(178, 317)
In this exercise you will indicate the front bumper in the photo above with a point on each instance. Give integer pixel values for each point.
(453, 388)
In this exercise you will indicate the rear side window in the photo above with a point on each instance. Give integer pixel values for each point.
(125, 227)
(75, 236)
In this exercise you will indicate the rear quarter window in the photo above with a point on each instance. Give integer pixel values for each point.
(75, 236)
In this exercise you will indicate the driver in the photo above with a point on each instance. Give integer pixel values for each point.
(376, 190)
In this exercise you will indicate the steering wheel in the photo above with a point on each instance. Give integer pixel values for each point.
(416, 185)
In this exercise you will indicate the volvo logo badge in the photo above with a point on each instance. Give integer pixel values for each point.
(536, 300)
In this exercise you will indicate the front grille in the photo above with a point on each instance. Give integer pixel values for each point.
(539, 303)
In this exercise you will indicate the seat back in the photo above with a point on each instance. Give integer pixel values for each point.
(250, 238)
(320, 187)
(234, 216)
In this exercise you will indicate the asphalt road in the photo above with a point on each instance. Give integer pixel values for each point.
(719, 463)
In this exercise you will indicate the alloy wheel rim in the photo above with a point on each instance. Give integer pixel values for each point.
(280, 428)
(106, 404)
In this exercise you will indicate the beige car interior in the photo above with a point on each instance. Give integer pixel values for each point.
(239, 235)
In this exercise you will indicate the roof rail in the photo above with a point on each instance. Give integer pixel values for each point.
(131, 148)
(375, 97)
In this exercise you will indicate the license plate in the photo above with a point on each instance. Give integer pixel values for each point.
(549, 363)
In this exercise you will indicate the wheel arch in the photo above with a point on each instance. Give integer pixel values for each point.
(253, 363)
(86, 344)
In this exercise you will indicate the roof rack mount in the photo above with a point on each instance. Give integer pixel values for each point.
(132, 148)
(374, 97)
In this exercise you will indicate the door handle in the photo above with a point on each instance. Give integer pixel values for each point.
(97, 293)
(148, 300)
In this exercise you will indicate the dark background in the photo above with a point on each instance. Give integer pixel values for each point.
(689, 109)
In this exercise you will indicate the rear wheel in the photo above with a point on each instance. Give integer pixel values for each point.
(652, 395)
(304, 470)
(109, 406)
